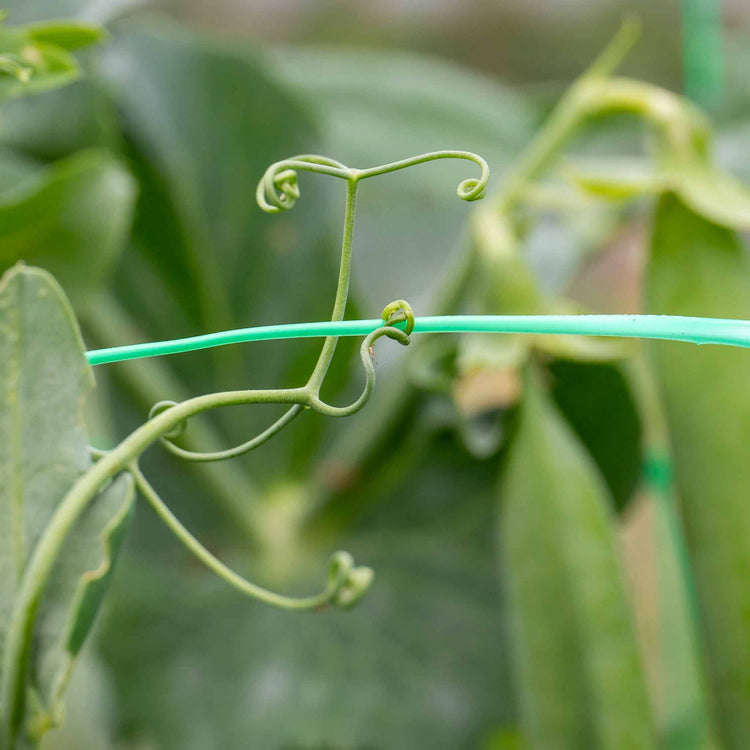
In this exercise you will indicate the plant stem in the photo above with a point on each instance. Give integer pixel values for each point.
(342, 289)
(218, 567)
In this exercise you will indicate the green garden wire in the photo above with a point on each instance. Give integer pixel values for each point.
(674, 328)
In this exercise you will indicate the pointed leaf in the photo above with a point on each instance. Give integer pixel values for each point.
(578, 666)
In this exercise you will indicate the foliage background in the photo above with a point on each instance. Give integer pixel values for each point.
(137, 190)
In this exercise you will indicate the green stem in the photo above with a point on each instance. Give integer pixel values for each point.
(218, 567)
(342, 289)
(566, 117)
(149, 382)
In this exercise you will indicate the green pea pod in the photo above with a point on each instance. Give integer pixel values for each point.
(699, 268)
(579, 672)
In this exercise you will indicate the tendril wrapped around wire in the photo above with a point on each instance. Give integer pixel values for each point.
(278, 191)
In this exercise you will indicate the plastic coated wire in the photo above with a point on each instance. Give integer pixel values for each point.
(675, 328)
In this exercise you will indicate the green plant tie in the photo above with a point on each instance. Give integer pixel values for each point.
(674, 328)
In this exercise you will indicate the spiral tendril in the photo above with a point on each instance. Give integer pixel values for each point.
(399, 311)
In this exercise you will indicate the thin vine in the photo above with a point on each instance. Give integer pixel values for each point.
(346, 583)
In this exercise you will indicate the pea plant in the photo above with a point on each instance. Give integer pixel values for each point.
(578, 667)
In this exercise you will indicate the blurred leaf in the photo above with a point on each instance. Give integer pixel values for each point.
(612, 179)
(702, 185)
(71, 219)
(598, 404)
(44, 448)
(420, 663)
(713, 193)
(699, 268)
(68, 35)
(55, 124)
(503, 282)
(684, 699)
(30, 69)
(571, 625)
(16, 169)
(36, 58)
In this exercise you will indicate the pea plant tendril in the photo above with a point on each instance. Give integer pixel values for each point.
(346, 583)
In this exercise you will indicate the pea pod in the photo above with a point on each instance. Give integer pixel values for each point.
(697, 267)
(578, 668)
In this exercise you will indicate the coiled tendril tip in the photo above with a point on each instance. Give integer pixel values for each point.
(399, 311)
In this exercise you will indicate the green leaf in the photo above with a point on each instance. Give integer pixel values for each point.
(37, 57)
(55, 124)
(72, 219)
(578, 667)
(16, 169)
(713, 193)
(614, 179)
(67, 35)
(699, 268)
(702, 185)
(597, 402)
(683, 700)
(43, 451)
(75, 593)
(36, 67)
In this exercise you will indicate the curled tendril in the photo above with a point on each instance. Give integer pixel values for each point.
(278, 189)
(237, 450)
(346, 583)
(471, 190)
(161, 407)
(397, 312)
(366, 356)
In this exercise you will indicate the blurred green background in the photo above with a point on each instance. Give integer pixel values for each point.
(136, 187)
